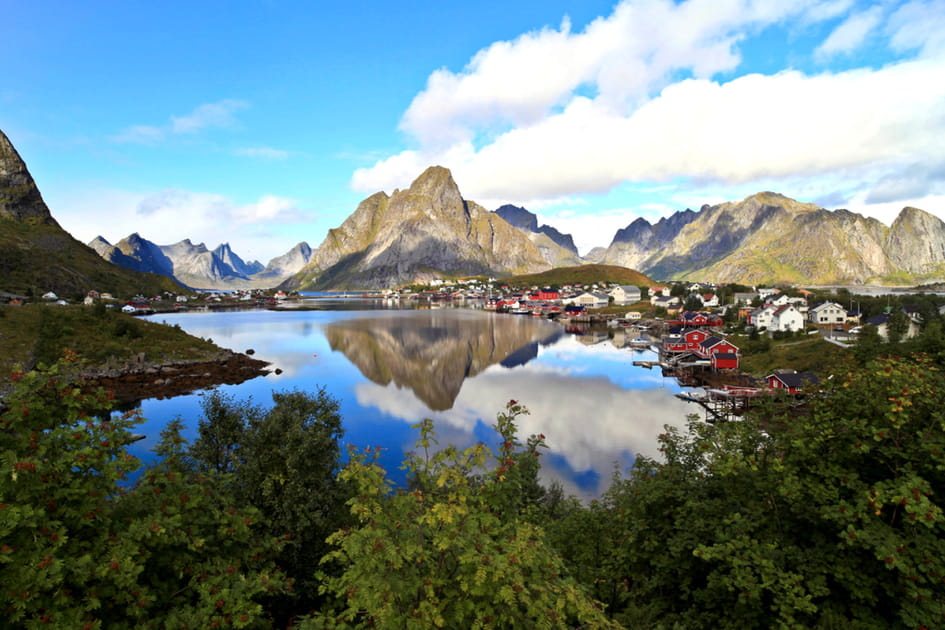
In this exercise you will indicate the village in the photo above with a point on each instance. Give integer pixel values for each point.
(693, 328)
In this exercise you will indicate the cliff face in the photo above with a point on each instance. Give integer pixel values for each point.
(556, 248)
(418, 234)
(20, 199)
(916, 242)
(769, 238)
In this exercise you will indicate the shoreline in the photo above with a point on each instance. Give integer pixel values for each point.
(138, 380)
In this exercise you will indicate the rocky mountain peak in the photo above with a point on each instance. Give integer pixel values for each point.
(518, 217)
(437, 184)
(20, 199)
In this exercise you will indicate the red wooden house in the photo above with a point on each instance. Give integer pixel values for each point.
(692, 319)
(792, 382)
(724, 361)
(686, 342)
(715, 345)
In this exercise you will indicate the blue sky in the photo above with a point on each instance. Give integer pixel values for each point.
(264, 123)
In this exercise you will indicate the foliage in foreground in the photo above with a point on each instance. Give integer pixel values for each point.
(821, 520)
(454, 551)
(81, 549)
(283, 462)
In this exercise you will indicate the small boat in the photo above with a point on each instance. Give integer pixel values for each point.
(639, 342)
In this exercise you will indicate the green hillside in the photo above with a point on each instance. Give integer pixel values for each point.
(41, 333)
(583, 274)
(37, 257)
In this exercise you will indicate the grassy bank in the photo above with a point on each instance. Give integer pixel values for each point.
(40, 333)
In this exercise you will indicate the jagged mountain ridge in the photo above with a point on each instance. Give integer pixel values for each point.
(425, 232)
(527, 222)
(196, 266)
(37, 255)
(770, 238)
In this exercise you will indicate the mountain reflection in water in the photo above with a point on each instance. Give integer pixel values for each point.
(390, 369)
(432, 352)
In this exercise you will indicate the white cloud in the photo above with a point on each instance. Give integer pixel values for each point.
(918, 26)
(140, 134)
(266, 153)
(624, 57)
(207, 116)
(169, 216)
(648, 95)
(851, 34)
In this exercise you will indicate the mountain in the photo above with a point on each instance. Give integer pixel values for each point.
(770, 238)
(425, 232)
(281, 267)
(37, 255)
(197, 266)
(234, 262)
(560, 252)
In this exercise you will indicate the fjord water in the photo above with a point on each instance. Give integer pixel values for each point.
(389, 369)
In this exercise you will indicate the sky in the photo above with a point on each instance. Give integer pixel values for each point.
(264, 123)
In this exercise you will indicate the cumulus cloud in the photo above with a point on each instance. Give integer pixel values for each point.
(650, 94)
(206, 116)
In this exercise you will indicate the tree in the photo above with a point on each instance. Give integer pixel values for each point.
(693, 303)
(283, 462)
(453, 552)
(80, 547)
(820, 519)
(897, 327)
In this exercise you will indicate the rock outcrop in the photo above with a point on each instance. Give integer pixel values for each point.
(20, 198)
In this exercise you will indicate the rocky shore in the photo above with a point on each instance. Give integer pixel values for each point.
(140, 379)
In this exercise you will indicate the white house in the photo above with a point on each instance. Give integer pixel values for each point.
(786, 318)
(745, 298)
(625, 294)
(779, 299)
(827, 313)
(710, 300)
(666, 301)
(592, 300)
(761, 316)
(881, 322)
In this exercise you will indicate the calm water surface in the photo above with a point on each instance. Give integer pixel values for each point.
(389, 369)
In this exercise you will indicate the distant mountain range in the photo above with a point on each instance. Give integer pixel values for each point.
(769, 238)
(430, 231)
(201, 268)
